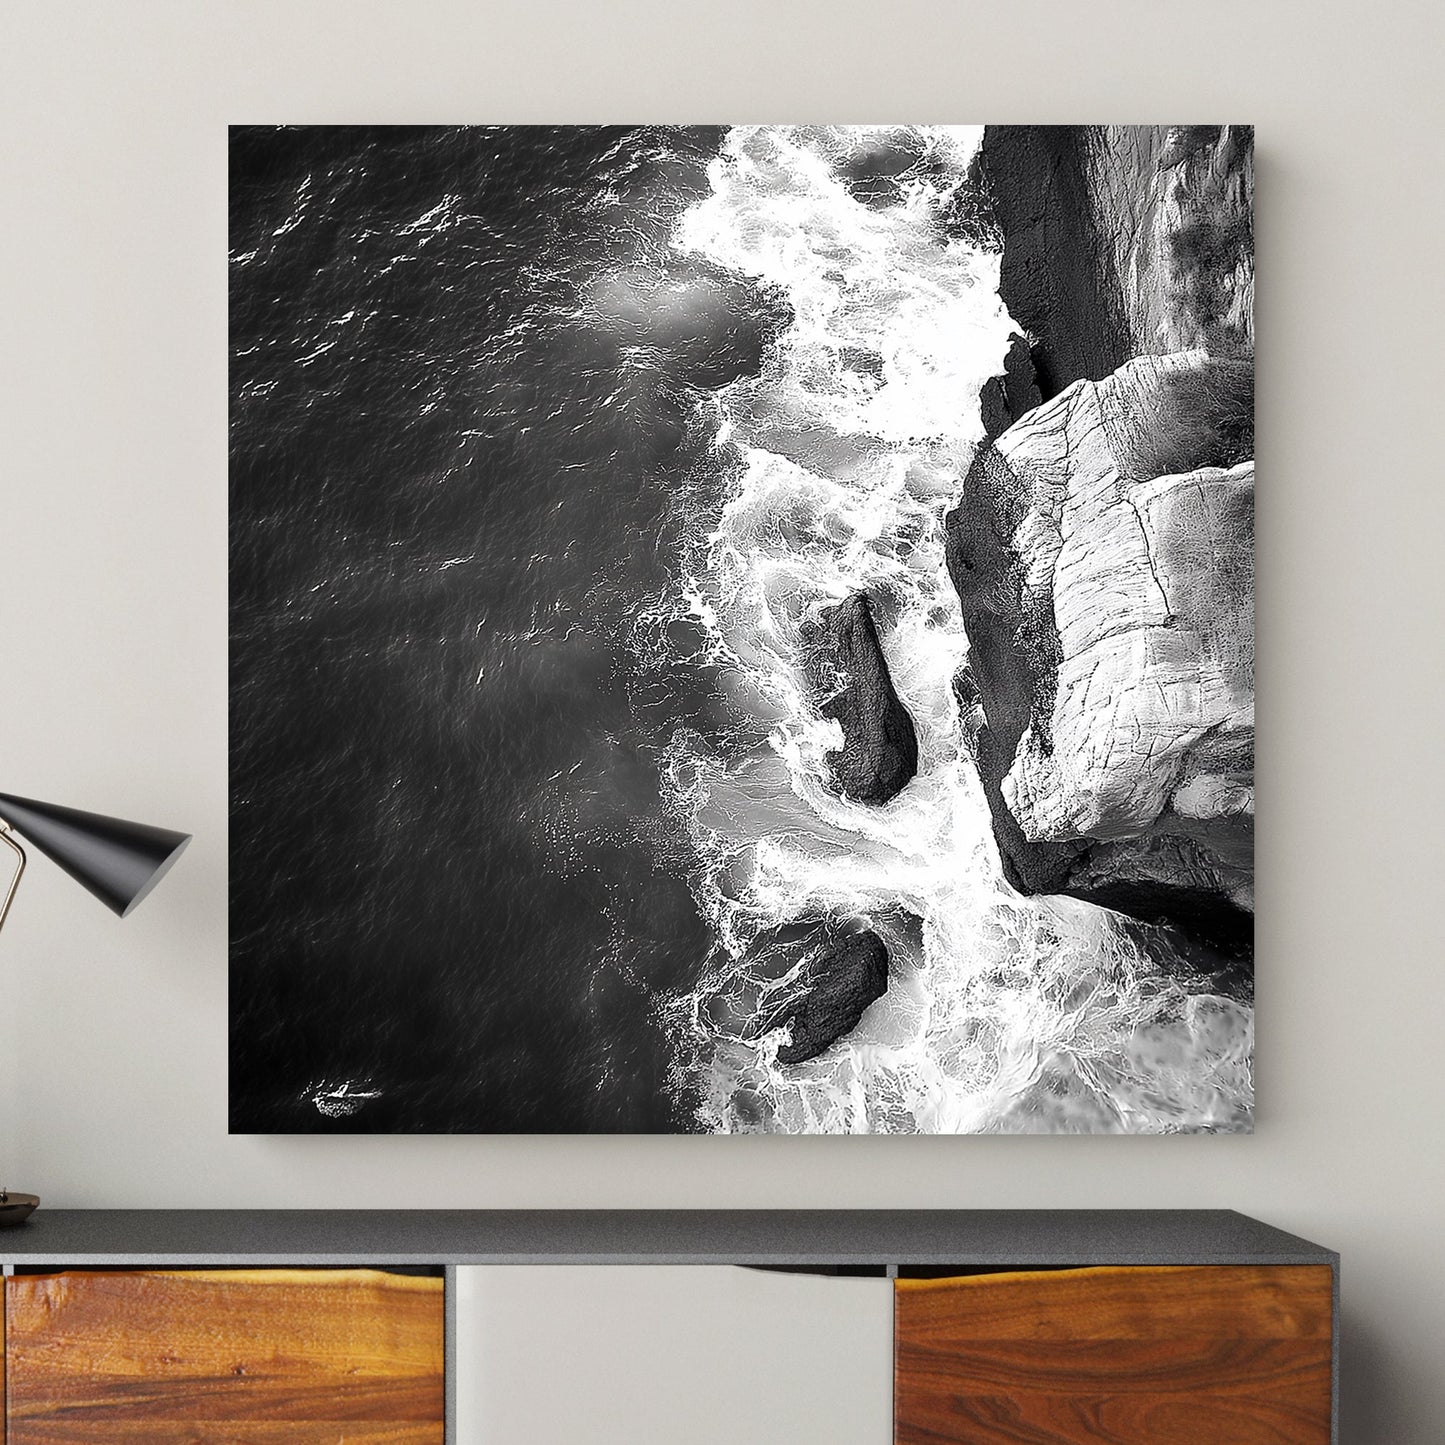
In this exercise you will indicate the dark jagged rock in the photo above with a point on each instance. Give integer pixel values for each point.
(1020, 381)
(1012, 394)
(880, 747)
(1121, 240)
(1056, 278)
(832, 991)
(970, 708)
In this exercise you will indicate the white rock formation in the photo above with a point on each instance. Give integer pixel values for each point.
(1142, 747)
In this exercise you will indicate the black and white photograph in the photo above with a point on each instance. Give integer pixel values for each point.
(741, 629)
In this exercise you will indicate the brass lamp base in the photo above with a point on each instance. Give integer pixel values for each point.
(16, 1208)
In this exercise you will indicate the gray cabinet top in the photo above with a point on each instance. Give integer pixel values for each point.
(817, 1238)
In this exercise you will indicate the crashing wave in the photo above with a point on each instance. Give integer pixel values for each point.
(837, 465)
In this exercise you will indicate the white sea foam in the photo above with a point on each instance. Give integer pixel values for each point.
(339, 1100)
(1003, 1012)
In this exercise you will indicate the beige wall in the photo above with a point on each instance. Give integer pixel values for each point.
(113, 649)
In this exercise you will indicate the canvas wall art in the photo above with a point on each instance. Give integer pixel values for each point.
(742, 629)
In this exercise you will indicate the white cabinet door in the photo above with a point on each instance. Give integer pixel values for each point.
(671, 1355)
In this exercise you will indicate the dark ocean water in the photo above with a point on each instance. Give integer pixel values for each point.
(457, 430)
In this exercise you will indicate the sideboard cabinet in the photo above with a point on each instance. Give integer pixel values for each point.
(1052, 1327)
(1173, 1355)
(174, 1357)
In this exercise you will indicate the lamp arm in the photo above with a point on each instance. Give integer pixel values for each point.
(8, 839)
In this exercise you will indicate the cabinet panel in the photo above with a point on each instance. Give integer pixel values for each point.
(225, 1358)
(670, 1355)
(1215, 1355)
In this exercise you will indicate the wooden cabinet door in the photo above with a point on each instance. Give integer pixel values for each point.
(1215, 1355)
(254, 1357)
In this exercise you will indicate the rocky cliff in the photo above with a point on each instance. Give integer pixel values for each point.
(1057, 275)
(1110, 622)
(1120, 241)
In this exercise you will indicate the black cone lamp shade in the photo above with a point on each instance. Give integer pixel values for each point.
(118, 861)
